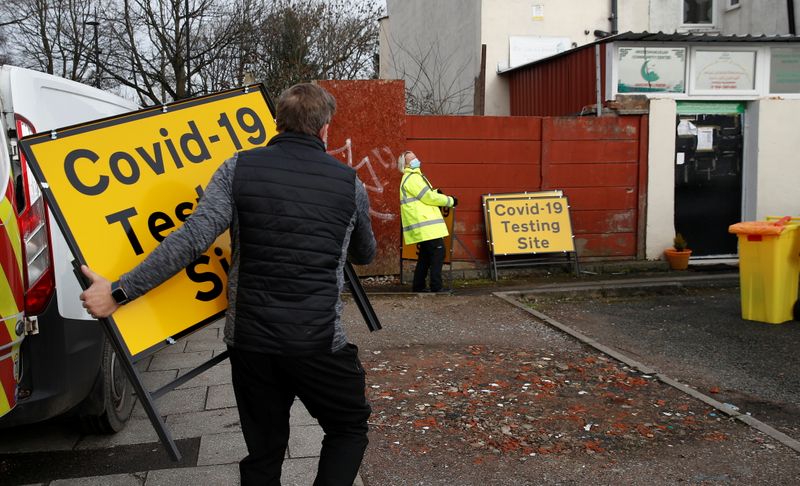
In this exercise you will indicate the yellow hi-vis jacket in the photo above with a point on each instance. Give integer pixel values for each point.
(419, 208)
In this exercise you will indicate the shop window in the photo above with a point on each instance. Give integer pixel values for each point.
(784, 76)
(698, 12)
(723, 71)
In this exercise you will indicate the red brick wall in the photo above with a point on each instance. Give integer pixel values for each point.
(368, 133)
(599, 163)
(595, 161)
(468, 156)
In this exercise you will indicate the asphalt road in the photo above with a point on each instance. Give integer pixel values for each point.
(423, 334)
(697, 336)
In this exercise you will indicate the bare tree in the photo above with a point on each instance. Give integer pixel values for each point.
(164, 50)
(51, 35)
(9, 17)
(302, 40)
(279, 42)
(436, 82)
(229, 67)
(156, 47)
(347, 39)
(4, 57)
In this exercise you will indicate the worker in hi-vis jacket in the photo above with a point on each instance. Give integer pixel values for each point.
(423, 222)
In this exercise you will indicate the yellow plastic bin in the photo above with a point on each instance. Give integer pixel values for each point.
(769, 268)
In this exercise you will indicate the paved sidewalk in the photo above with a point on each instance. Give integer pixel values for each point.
(202, 409)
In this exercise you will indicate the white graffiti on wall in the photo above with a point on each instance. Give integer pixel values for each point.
(374, 182)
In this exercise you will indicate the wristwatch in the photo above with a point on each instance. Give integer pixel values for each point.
(118, 294)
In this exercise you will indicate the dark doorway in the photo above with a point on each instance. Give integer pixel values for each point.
(708, 181)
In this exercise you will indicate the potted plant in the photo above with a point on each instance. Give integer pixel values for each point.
(678, 255)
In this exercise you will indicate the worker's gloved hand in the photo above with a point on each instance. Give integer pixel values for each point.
(455, 201)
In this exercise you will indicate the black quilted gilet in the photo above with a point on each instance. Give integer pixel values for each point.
(294, 203)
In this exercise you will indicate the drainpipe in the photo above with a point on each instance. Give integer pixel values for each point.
(614, 17)
(597, 82)
(790, 8)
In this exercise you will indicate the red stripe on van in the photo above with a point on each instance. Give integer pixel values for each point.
(5, 336)
(7, 366)
(7, 379)
(10, 265)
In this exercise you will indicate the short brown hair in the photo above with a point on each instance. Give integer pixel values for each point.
(304, 108)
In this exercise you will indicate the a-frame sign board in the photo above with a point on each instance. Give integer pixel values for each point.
(528, 228)
(117, 186)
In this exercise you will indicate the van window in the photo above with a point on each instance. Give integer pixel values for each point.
(22, 128)
(19, 188)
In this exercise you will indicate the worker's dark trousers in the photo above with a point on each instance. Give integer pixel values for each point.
(331, 386)
(431, 257)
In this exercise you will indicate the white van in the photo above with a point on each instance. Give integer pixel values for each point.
(65, 363)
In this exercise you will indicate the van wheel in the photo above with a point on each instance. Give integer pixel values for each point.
(116, 395)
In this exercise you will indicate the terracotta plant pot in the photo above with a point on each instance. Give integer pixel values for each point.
(678, 260)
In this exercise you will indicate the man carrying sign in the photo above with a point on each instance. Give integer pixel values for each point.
(295, 216)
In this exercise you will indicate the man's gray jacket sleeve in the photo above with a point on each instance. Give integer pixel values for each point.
(212, 216)
(362, 241)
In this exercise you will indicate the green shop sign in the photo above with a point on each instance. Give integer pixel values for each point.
(651, 69)
(710, 107)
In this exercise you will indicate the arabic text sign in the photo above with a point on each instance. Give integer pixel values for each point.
(119, 186)
(528, 223)
(724, 70)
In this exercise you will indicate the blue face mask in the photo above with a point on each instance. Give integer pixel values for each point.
(414, 164)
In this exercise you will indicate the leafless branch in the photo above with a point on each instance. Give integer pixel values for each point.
(435, 80)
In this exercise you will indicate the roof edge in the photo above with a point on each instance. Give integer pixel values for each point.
(662, 37)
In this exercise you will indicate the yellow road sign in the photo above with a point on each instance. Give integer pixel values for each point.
(119, 186)
(528, 223)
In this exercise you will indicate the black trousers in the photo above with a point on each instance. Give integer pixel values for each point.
(331, 386)
(431, 258)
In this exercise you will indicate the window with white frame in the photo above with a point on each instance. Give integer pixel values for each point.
(698, 12)
(724, 70)
(784, 73)
(733, 4)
